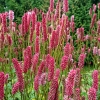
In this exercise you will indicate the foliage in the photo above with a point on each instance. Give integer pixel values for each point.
(80, 9)
(95, 1)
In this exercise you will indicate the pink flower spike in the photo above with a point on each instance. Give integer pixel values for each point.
(65, 6)
(95, 79)
(64, 62)
(33, 19)
(94, 7)
(77, 78)
(57, 74)
(69, 82)
(93, 20)
(41, 67)
(1, 85)
(67, 49)
(53, 92)
(77, 94)
(51, 5)
(99, 6)
(38, 26)
(6, 78)
(44, 27)
(19, 73)
(72, 18)
(92, 94)
(81, 60)
(34, 61)
(98, 52)
(37, 45)
(42, 79)
(51, 68)
(36, 83)
(31, 35)
(95, 50)
(15, 87)
(9, 39)
(48, 60)
(11, 15)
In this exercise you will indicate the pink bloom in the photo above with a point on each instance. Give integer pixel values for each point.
(95, 79)
(15, 87)
(37, 45)
(68, 88)
(65, 6)
(35, 61)
(6, 78)
(4, 22)
(94, 7)
(83, 50)
(11, 15)
(9, 39)
(77, 78)
(67, 25)
(36, 83)
(71, 76)
(38, 26)
(1, 85)
(51, 68)
(89, 50)
(65, 97)
(33, 19)
(44, 27)
(86, 37)
(67, 49)
(72, 26)
(57, 10)
(81, 60)
(95, 50)
(77, 94)
(36, 10)
(93, 20)
(98, 5)
(90, 11)
(19, 73)
(13, 27)
(28, 18)
(42, 80)
(48, 16)
(51, 5)
(98, 27)
(48, 60)
(57, 74)
(98, 52)
(31, 35)
(41, 67)
(72, 18)
(27, 58)
(53, 39)
(58, 29)
(64, 62)
(80, 33)
(2, 39)
(69, 83)
(26, 64)
(53, 92)
(92, 94)
(25, 23)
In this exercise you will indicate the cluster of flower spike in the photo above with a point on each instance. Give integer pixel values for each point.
(47, 54)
